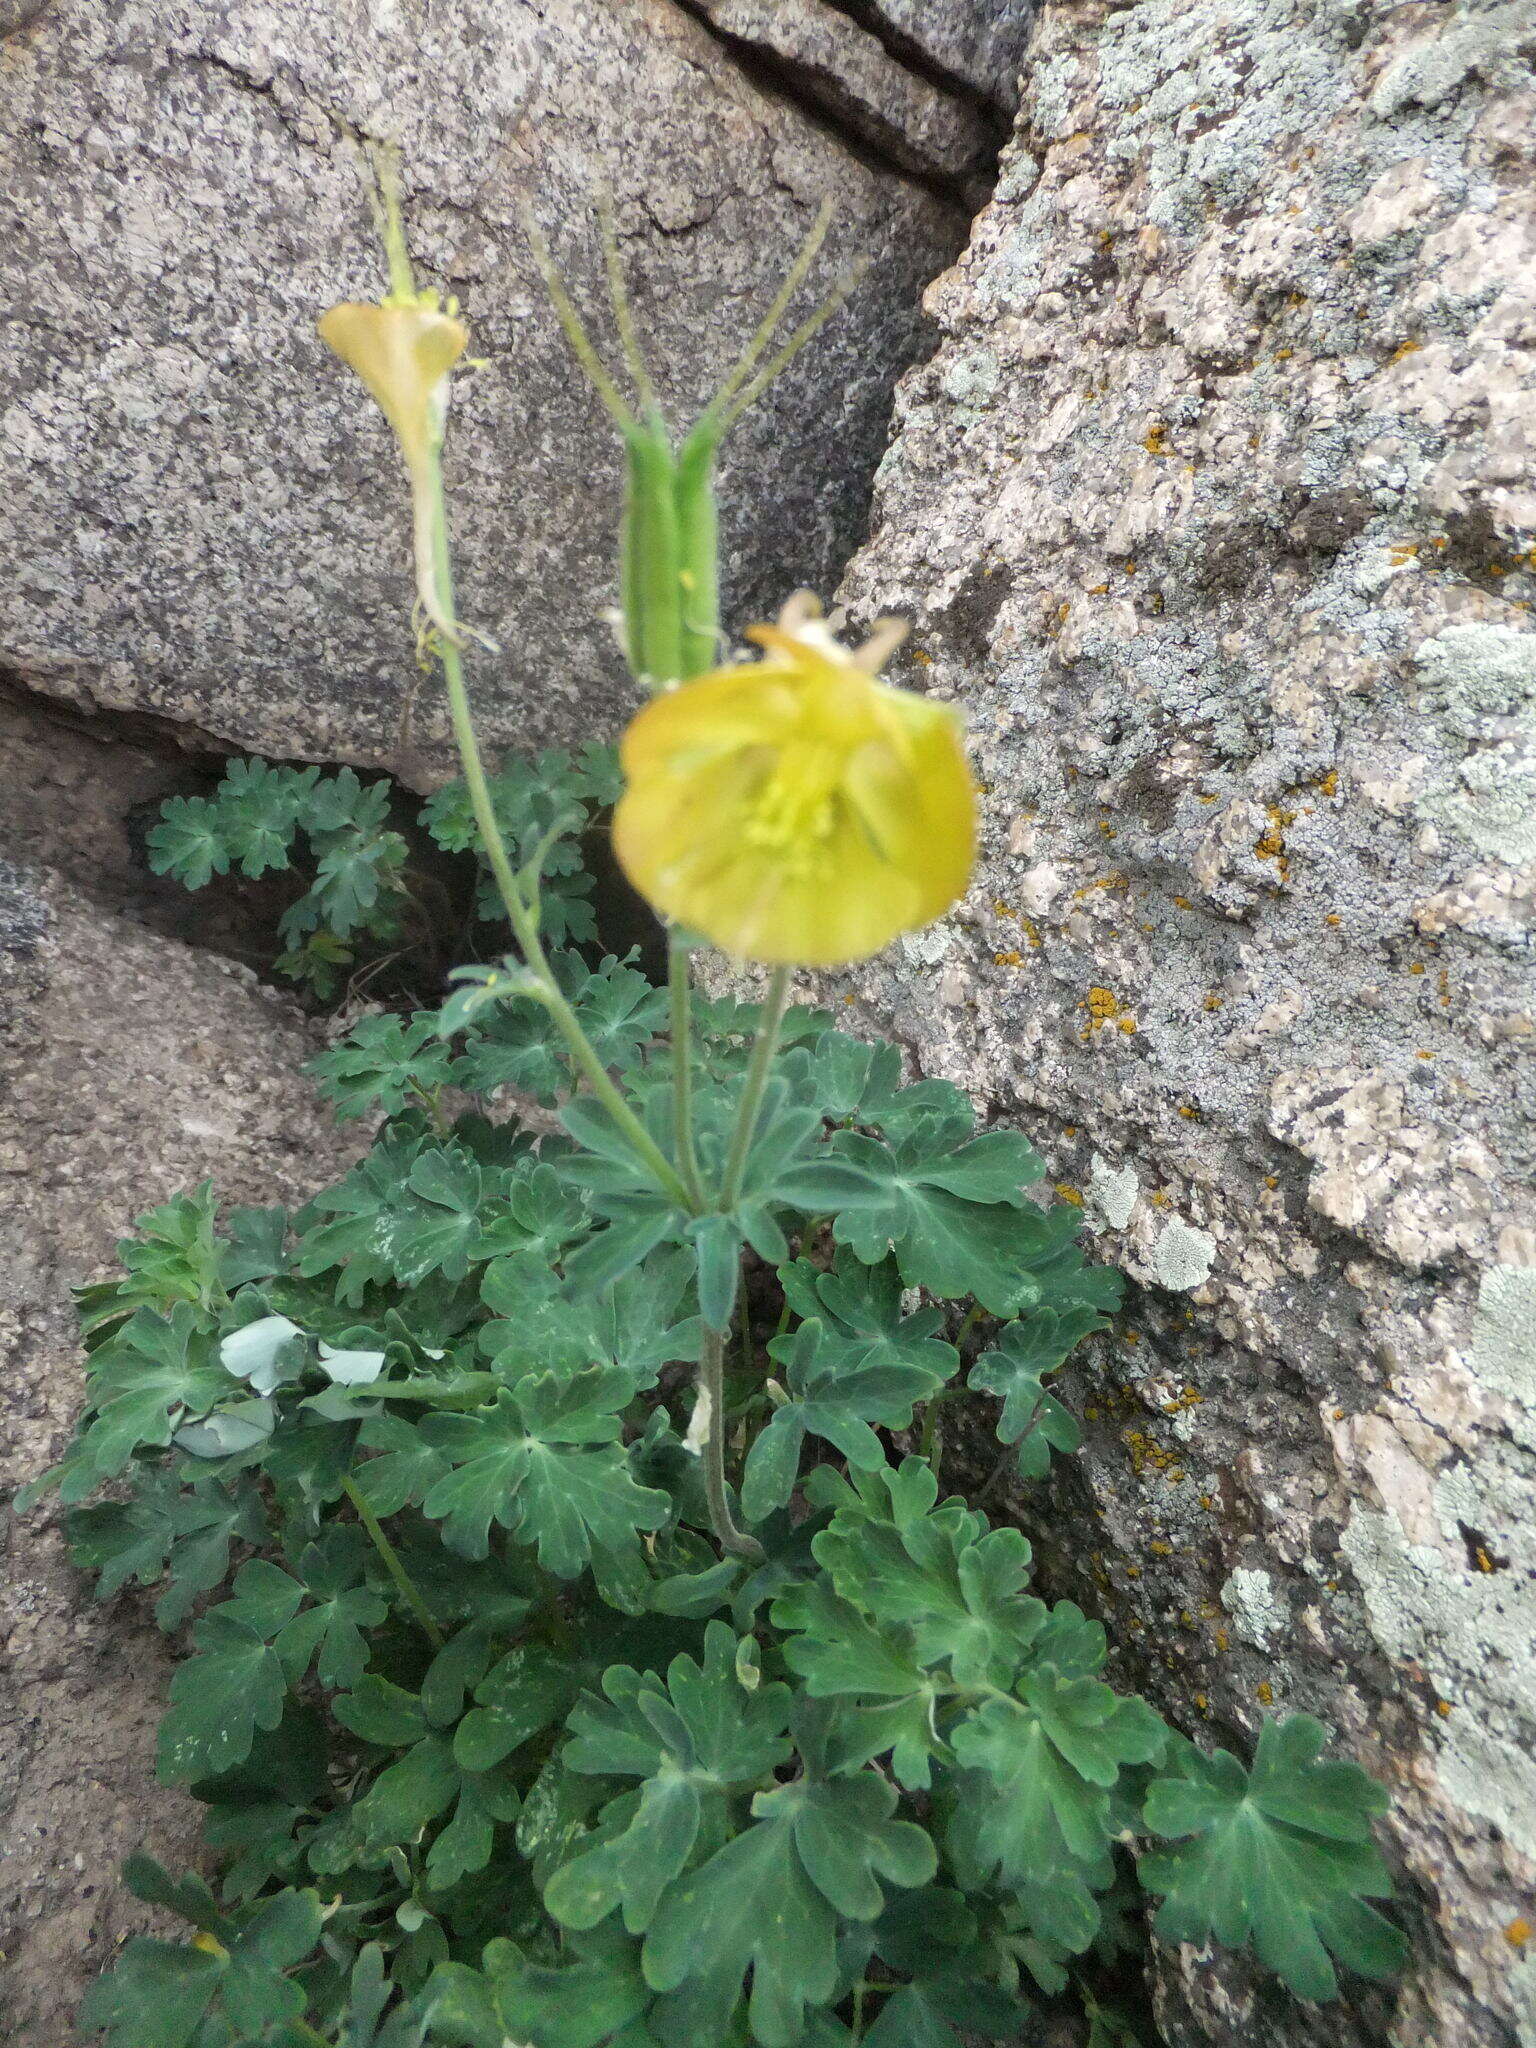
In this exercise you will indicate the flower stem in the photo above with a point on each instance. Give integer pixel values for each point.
(733, 1541)
(767, 1044)
(409, 1591)
(519, 914)
(682, 1069)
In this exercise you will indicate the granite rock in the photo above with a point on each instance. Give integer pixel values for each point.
(1216, 511)
(130, 1067)
(206, 512)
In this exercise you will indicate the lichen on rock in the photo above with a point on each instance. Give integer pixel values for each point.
(1216, 512)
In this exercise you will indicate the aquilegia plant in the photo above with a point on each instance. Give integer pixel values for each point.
(583, 1653)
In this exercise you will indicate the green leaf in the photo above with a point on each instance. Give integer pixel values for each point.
(151, 1375)
(954, 1216)
(381, 1064)
(405, 1470)
(259, 808)
(543, 1462)
(189, 844)
(769, 1901)
(692, 1741)
(718, 1241)
(1282, 1858)
(1014, 1368)
(934, 1569)
(523, 1694)
(513, 2000)
(166, 1528)
(219, 1698)
(1053, 1756)
(841, 1388)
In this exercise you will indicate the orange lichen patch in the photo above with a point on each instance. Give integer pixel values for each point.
(1103, 1007)
(1483, 1561)
(1421, 1054)
(1097, 589)
(1271, 1180)
(1155, 440)
(1445, 988)
(1158, 1198)
(1270, 845)
(1183, 902)
(1518, 1932)
(1405, 348)
(1215, 1002)
(1283, 355)
(1223, 1640)
(1115, 879)
(1013, 958)
(1402, 552)
(1107, 829)
(1068, 1193)
(1187, 1109)
(1416, 967)
(1128, 1026)
(849, 999)
(1328, 785)
(1200, 1702)
(922, 655)
(1264, 1693)
(1206, 799)
(1161, 1549)
(1333, 917)
(1443, 1708)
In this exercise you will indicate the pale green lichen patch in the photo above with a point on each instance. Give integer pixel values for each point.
(1478, 687)
(1182, 1256)
(1504, 1332)
(1258, 1614)
(1113, 1193)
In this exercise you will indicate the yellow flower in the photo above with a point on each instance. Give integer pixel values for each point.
(794, 809)
(403, 351)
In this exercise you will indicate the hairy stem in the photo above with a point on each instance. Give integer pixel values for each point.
(733, 1541)
(680, 994)
(763, 1050)
(409, 1591)
(519, 915)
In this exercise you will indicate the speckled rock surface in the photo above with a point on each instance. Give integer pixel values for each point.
(130, 1067)
(1216, 511)
(868, 92)
(981, 42)
(206, 510)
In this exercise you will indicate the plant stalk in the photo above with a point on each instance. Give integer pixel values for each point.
(521, 918)
(409, 1590)
(680, 994)
(763, 1050)
(733, 1541)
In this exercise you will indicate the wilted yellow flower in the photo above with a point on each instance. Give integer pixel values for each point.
(404, 347)
(794, 809)
(403, 351)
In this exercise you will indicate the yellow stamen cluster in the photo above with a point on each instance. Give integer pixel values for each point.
(795, 809)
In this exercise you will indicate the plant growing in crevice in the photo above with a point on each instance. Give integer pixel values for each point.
(598, 1661)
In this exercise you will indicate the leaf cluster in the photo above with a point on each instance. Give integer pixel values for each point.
(351, 850)
(495, 1745)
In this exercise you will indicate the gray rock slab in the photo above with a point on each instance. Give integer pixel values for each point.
(204, 509)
